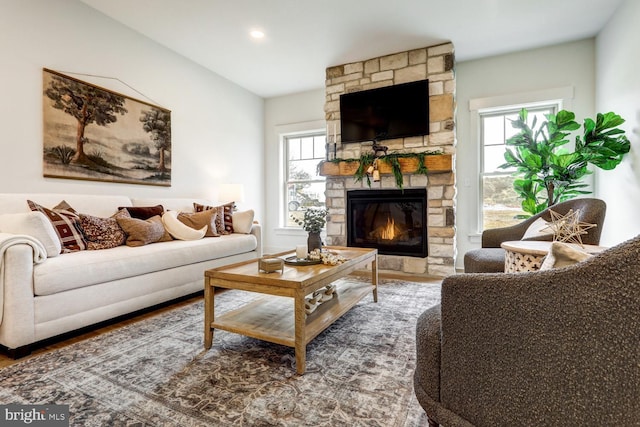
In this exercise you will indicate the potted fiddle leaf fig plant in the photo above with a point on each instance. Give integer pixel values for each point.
(547, 172)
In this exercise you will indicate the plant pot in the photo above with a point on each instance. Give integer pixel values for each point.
(314, 241)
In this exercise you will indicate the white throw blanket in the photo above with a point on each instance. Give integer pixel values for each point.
(7, 240)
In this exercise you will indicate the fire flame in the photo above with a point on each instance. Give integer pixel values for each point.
(388, 232)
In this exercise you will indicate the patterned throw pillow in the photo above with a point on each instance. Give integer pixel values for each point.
(206, 218)
(224, 218)
(142, 232)
(66, 223)
(103, 233)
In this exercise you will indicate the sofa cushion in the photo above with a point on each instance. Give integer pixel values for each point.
(66, 225)
(143, 232)
(243, 221)
(86, 268)
(197, 220)
(103, 233)
(34, 224)
(179, 230)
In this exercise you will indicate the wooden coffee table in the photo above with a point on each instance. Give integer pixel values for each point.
(274, 318)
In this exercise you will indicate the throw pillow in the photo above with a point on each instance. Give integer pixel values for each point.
(243, 221)
(538, 230)
(144, 212)
(224, 220)
(179, 230)
(66, 224)
(563, 255)
(142, 232)
(103, 233)
(197, 220)
(36, 225)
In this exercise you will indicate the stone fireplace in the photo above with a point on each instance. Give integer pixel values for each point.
(435, 63)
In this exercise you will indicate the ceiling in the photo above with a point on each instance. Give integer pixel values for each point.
(304, 37)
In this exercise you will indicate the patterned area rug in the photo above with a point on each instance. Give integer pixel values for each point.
(156, 373)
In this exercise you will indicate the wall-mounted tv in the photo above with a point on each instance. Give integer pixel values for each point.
(385, 113)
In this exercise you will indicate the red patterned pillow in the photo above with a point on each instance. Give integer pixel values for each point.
(224, 217)
(66, 223)
(144, 212)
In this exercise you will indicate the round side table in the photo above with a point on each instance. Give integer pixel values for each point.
(527, 255)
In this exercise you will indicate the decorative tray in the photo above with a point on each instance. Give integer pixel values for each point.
(293, 260)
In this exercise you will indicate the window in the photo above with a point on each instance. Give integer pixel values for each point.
(500, 203)
(304, 188)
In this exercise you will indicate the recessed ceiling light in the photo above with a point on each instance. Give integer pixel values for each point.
(256, 34)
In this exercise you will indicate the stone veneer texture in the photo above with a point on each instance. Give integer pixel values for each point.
(435, 63)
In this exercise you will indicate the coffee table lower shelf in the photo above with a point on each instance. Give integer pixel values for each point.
(271, 318)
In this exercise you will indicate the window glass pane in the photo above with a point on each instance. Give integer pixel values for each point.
(293, 148)
(319, 148)
(306, 148)
(493, 130)
(303, 170)
(494, 157)
(500, 202)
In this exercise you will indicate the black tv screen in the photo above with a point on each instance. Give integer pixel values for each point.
(385, 113)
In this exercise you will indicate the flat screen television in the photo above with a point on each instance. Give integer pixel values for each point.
(385, 113)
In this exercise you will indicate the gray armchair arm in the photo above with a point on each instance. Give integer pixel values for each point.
(545, 348)
(427, 378)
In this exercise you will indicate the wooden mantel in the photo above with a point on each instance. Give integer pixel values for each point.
(437, 163)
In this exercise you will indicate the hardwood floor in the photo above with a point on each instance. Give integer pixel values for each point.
(111, 326)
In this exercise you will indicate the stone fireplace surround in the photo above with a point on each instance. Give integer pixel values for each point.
(435, 63)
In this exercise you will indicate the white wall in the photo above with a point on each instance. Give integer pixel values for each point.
(559, 66)
(285, 114)
(618, 90)
(217, 127)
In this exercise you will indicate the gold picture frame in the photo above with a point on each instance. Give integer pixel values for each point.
(92, 133)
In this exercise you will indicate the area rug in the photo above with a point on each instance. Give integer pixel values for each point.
(156, 373)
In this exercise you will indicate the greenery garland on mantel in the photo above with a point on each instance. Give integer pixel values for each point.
(366, 159)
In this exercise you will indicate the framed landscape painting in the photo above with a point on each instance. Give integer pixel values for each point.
(92, 133)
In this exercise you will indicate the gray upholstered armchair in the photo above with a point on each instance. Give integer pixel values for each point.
(490, 257)
(548, 348)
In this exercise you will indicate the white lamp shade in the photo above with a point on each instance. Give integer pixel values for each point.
(231, 193)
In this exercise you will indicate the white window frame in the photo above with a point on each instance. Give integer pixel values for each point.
(562, 97)
(283, 131)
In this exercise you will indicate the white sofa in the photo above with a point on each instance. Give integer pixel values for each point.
(46, 297)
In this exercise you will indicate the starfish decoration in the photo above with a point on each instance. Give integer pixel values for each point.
(568, 228)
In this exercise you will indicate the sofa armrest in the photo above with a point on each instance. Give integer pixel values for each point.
(256, 230)
(17, 305)
(539, 348)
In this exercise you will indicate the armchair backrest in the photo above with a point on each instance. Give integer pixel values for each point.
(592, 211)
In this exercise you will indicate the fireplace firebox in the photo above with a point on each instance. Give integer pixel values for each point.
(393, 221)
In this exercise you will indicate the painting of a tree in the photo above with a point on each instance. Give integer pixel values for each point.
(158, 124)
(94, 133)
